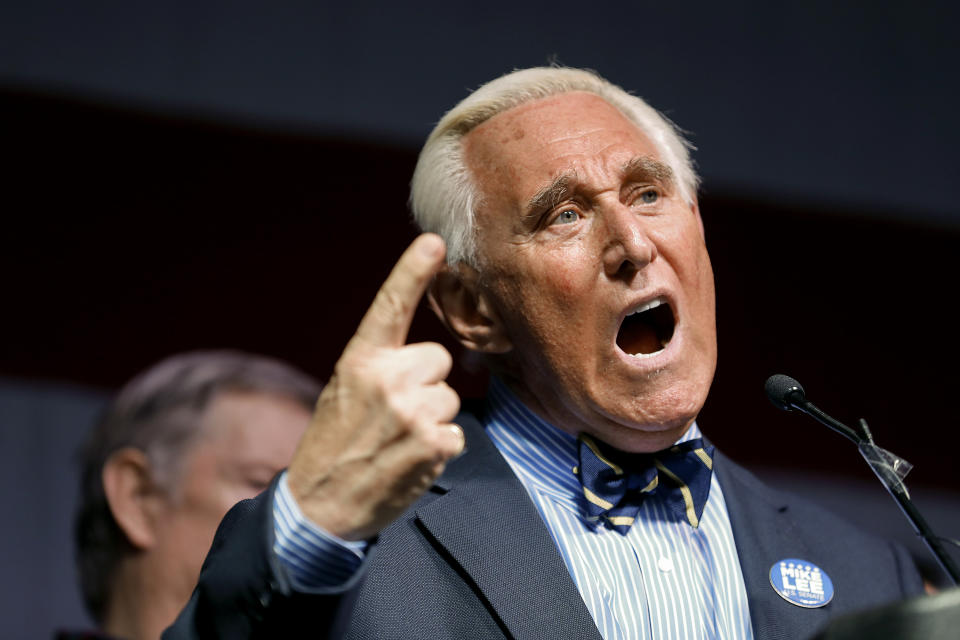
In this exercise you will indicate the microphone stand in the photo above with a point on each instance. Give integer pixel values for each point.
(890, 469)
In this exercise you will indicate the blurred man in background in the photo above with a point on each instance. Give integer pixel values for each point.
(179, 445)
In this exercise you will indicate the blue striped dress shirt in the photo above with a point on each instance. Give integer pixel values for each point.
(313, 557)
(664, 579)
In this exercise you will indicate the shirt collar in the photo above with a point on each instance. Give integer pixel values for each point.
(540, 454)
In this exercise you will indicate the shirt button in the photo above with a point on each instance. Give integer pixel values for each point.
(665, 564)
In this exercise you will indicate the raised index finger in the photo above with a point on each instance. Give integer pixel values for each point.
(388, 319)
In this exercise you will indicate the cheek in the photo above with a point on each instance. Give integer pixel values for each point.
(565, 282)
(208, 494)
(705, 275)
(685, 250)
(571, 273)
(542, 294)
(554, 292)
(234, 493)
(206, 507)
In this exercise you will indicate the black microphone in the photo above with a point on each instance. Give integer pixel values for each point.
(784, 392)
(787, 394)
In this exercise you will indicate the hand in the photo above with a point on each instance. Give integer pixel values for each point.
(381, 433)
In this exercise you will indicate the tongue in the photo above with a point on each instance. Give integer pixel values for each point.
(639, 339)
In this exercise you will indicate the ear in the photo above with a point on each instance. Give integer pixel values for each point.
(132, 495)
(466, 310)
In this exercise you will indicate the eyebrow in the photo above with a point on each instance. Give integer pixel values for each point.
(646, 168)
(637, 168)
(550, 195)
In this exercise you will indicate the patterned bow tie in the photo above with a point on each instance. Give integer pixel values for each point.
(615, 483)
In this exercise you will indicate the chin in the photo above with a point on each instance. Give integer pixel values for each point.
(632, 440)
(651, 422)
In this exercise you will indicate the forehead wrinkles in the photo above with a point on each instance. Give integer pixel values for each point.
(536, 154)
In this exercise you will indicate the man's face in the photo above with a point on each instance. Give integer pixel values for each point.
(581, 225)
(244, 440)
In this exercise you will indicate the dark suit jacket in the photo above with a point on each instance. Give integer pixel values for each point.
(473, 559)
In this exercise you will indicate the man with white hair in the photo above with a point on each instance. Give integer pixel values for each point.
(585, 502)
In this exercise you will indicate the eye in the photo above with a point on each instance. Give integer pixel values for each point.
(257, 484)
(649, 196)
(567, 216)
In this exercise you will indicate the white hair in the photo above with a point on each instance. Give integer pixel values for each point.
(443, 195)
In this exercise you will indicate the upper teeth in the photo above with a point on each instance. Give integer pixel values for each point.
(653, 304)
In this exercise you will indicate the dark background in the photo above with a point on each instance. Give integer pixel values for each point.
(216, 175)
(144, 235)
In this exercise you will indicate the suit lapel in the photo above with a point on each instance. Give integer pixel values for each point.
(765, 533)
(487, 524)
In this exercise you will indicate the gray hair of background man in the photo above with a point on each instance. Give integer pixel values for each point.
(443, 196)
(159, 412)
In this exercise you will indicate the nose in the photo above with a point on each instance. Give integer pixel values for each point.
(627, 246)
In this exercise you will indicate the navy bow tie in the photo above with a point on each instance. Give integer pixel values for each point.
(615, 483)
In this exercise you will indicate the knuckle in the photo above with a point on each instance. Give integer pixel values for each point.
(405, 413)
(450, 400)
(440, 354)
(435, 356)
(440, 441)
(423, 430)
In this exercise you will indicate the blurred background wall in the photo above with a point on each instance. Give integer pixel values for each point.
(186, 175)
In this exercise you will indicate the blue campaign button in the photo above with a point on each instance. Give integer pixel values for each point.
(801, 582)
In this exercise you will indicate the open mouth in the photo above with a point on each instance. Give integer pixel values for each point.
(648, 329)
